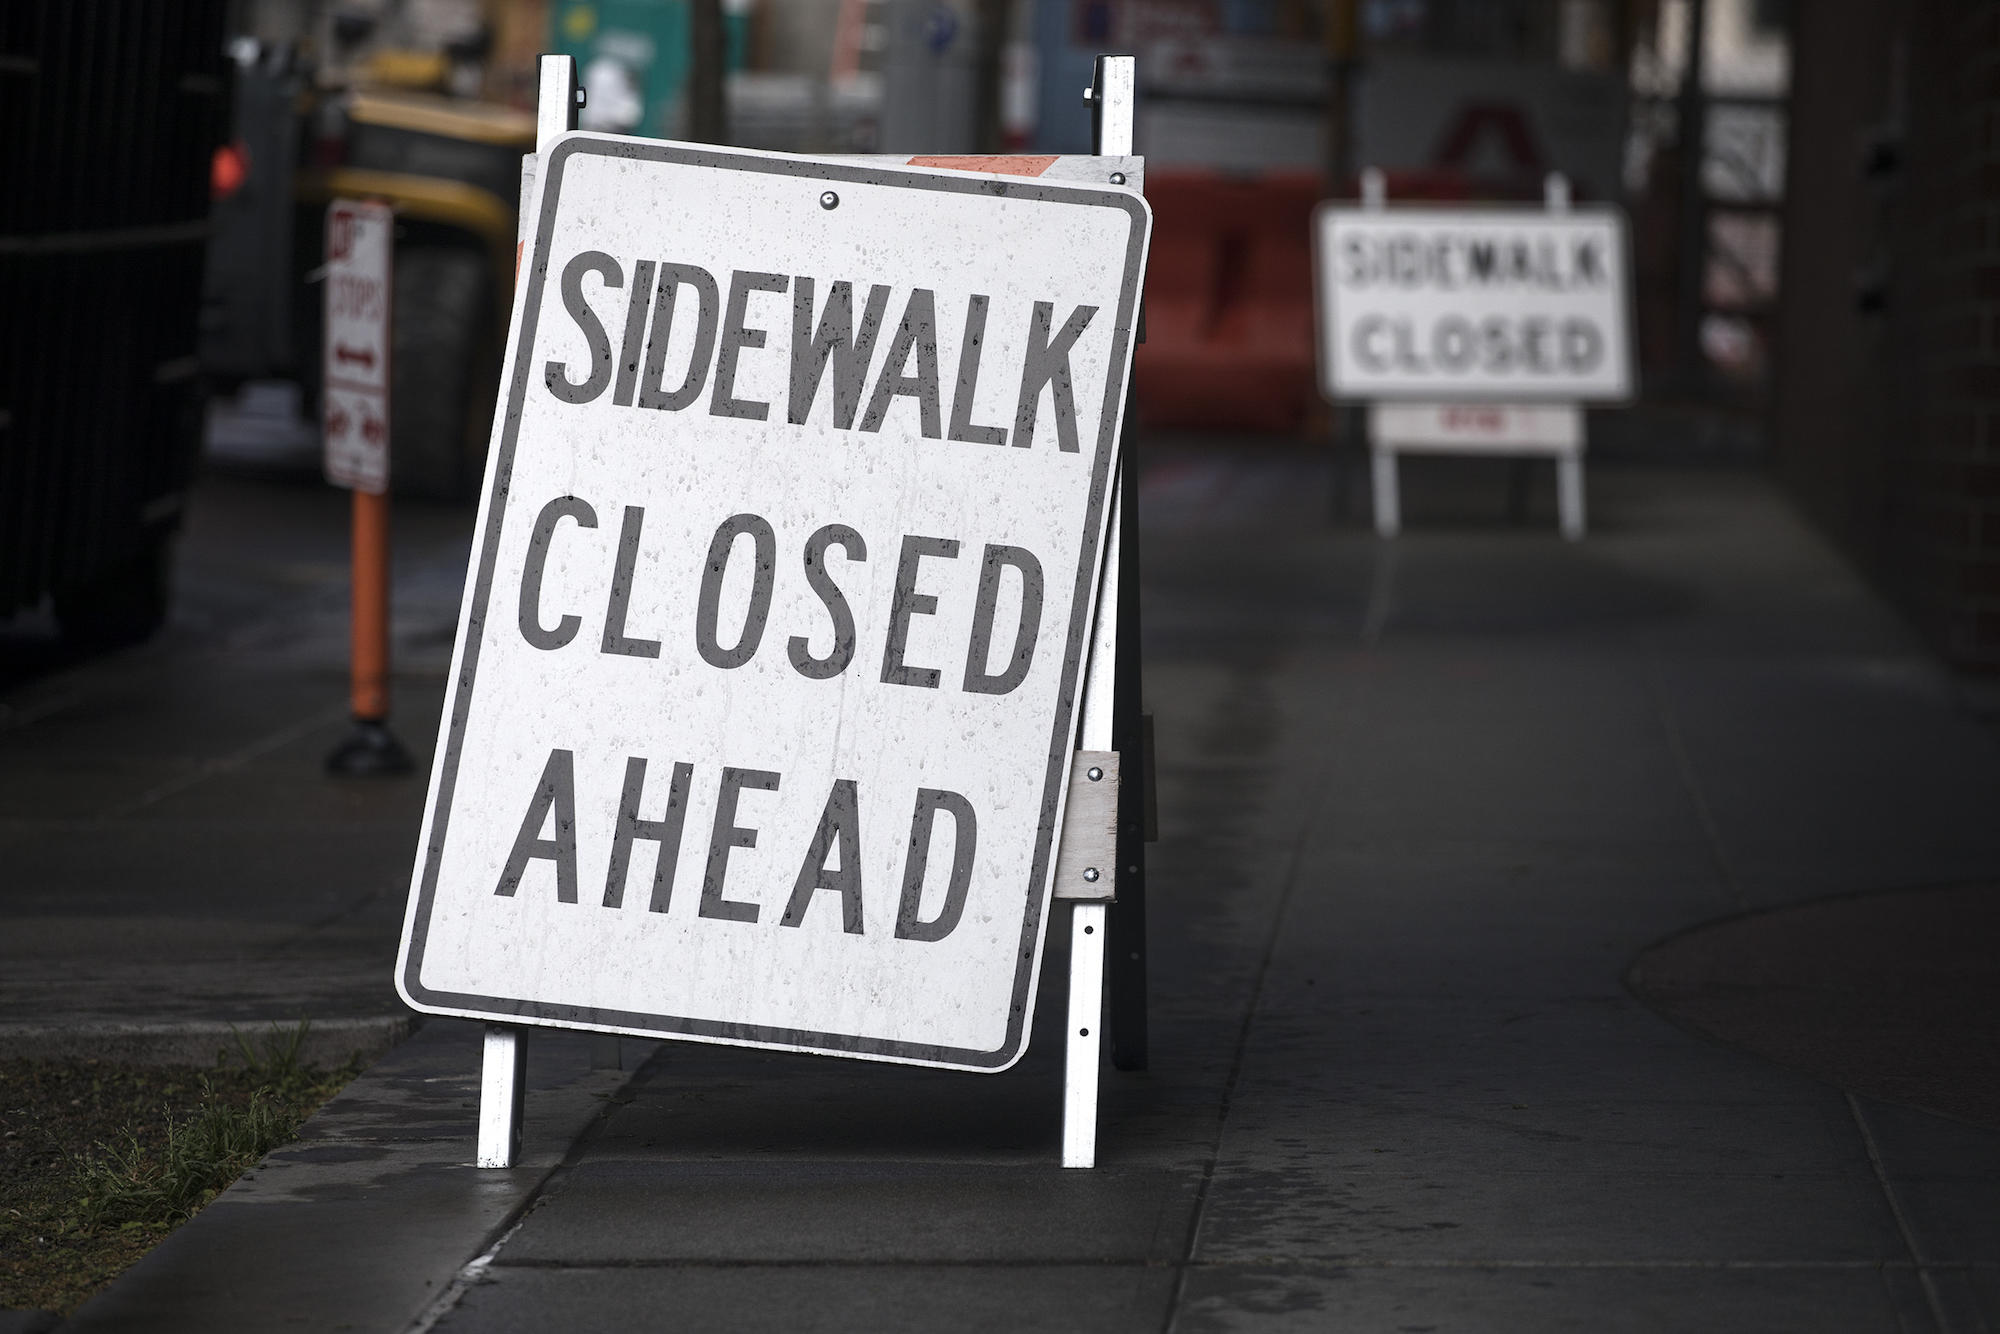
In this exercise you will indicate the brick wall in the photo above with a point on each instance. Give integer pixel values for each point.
(1888, 414)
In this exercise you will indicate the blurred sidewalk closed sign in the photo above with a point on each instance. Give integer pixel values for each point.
(1490, 304)
(355, 384)
(765, 688)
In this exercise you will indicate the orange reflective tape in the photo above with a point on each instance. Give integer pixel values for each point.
(1003, 164)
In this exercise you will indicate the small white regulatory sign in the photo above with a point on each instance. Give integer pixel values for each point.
(1493, 304)
(765, 691)
(354, 400)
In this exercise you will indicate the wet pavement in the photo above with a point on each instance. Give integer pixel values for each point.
(176, 859)
(1422, 805)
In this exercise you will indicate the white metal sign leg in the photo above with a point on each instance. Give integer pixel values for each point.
(1086, 955)
(502, 1077)
(504, 1061)
(1569, 494)
(1086, 1028)
(1388, 495)
(1569, 467)
(1114, 96)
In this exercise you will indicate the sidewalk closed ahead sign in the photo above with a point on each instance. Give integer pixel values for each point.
(767, 677)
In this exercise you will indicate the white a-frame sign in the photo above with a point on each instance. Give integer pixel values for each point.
(764, 715)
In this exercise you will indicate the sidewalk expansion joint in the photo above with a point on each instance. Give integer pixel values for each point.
(474, 1270)
(624, 1263)
(1932, 1297)
(1198, 1213)
(1704, 813)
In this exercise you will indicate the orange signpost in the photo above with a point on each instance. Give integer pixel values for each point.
(356, 420)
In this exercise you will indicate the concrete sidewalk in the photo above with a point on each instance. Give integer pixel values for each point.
(177, 861)
(1422, 805)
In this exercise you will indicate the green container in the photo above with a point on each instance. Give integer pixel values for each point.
(633, 57)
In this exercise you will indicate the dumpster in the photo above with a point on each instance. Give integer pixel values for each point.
(112, 111)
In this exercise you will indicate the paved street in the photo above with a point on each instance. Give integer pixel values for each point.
(1422, 804)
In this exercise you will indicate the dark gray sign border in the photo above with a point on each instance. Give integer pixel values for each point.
(516, 1009)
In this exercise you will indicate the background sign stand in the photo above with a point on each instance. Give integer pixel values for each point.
(1113, 99)
(1547, 430)
(1112, 722)
(1100, 859)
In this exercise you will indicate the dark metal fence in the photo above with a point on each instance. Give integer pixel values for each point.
(110, 111)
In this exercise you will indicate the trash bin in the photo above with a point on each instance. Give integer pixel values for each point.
(113, 110)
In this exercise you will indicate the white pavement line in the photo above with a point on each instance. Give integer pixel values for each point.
(1924, 1277)
(1704, 814)
(223, 764)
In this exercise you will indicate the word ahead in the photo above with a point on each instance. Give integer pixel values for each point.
(765, 698)
(1488, 304)
(831, 861)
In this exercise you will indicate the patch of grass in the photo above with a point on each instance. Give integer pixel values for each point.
(98, 1162)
